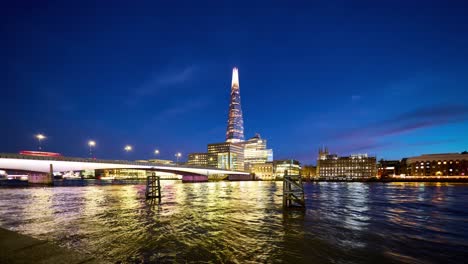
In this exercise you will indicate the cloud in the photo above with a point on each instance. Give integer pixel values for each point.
(165, 80)
(375, 135)
(161, 81)
(181, 108)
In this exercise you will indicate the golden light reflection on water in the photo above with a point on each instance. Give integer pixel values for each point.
(243, 221)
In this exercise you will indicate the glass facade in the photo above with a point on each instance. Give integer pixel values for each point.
(255, 152)
(293, 167)
(226, 155)
(235, 127)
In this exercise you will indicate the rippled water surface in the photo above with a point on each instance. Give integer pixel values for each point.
(244, 222)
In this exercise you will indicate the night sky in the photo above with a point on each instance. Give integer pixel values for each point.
(388, 78)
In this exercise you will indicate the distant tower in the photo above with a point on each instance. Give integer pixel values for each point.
(323, 153)
(235, 127)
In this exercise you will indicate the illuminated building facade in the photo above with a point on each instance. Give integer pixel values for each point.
(226, 155)
(235, 127)
(293, 167)
(263, 171)
(447, 164)
(198, 159)
(131, 174)
(162, 161)
(309, 172)
(256, 152)
(357, 166)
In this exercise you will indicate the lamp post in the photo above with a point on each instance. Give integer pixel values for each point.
(91, 145)
(128, 148)
(178, 155)
(40, 137)
(156, 152)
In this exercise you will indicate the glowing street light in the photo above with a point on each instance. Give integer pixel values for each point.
(128, 148)
(156, 152)
(91, 145)
(178, 155)
(39, 138)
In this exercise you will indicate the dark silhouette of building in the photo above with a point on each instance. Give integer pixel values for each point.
(388, 168)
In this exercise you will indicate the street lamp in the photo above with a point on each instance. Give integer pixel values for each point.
(178, 155)
(156, 152)
(128, 148)
(91, 145)
(40, 137)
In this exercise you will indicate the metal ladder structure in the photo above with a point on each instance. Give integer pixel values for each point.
(293, 191)
(153, 187)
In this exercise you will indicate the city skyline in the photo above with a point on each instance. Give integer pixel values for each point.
(385, 83)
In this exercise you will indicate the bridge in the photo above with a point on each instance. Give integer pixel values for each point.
(44, 165)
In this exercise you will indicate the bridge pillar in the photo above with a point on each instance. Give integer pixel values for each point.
(42, 178)
(194, 178)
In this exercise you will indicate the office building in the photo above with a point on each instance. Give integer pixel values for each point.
(293, 167)
(198, 159)
(354, 167)
(235, 127)
(226, 155)
(256, 152)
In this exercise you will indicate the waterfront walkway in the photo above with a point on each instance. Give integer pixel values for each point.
(17, 248)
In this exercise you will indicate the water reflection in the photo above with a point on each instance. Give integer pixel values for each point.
(244, 222)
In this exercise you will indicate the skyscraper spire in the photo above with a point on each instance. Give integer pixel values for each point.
(235, 127)
(235, 77)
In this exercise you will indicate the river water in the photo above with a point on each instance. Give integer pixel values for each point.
(244, 222)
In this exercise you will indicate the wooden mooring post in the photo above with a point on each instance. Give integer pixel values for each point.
(153, 187)
(293, 191)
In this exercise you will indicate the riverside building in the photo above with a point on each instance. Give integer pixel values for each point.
(293, 167)
(230, 154)
(444, 164)
(354, 167)
(226, 155)
(263, 171)
(198, 159)
(256, 152)
(235, 153)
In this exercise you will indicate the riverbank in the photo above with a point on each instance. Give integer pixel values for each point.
(18, 248)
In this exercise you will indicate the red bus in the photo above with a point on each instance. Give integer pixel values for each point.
(39, 153)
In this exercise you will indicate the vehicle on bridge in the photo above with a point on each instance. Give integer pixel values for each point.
(40, 153)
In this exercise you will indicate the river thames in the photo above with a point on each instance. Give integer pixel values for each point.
(244, 222)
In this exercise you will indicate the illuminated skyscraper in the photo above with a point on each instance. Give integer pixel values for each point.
(235, 127)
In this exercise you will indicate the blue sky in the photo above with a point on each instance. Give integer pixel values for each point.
(388, 78)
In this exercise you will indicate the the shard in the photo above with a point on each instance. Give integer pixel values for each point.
(235, 127)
